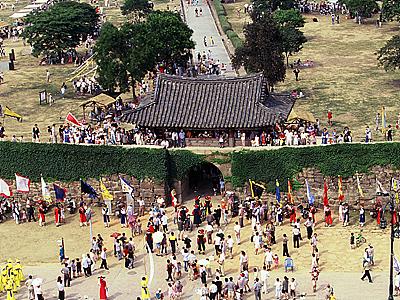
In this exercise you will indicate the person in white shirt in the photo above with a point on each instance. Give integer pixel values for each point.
(236, 228)
(60, 288)
(264, 275)
(164, 222)
(229, 246)
(292, 288)
(141, 207)
(278, 289)
(103, 256)
(268, 258)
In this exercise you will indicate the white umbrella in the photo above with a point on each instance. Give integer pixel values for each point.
(158, 237)
(203, 262)
(37, 281)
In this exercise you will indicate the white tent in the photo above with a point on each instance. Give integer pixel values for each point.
(19, 15)
(33, 6)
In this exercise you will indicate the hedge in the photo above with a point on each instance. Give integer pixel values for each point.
(71, 162)
(332, 160)
(226, 26)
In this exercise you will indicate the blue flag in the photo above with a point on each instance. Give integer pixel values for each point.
(87, 189)
(310, 196)
(60, 192)
(278, 192)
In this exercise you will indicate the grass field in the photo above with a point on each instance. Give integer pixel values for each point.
(345, 78)
(21, 88)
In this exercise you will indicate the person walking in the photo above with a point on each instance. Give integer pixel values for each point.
(264, 274)
(60, 288)
(285, 245)
(296, 237)
(103, 257)
(103, 288)
(67, 277)
(367, 269)
(257, 289)
(296, 72)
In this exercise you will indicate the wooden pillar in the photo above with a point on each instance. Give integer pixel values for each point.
(231, 138)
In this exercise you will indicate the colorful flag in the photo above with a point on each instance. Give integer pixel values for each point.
(341, 195)
(380, 190)
(396, 265)
(23, 183)
(45, 190)
(9, 113)
(126, 186)
(5, 190)
(88, 189)
(277, 192)
(325, 197)
(256, 189)
(105, 194)
(360, 191)
(310, 196)
(395, 188)
(289, 193)
(383, 115)
(70, 118)
(60, 192)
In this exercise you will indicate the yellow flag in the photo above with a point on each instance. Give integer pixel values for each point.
(8, 112)
(105, 194)
(359, 186)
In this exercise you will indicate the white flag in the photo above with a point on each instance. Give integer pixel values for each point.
(23, 183)
(45, 190)
(5, 190)
(126, 187)
(380, 190)
(396, 265)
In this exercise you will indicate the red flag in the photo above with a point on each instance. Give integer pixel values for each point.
(326, 201)
(72, 119)
(341, 195)
(290, 196)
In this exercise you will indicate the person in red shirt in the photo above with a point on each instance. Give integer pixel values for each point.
(329, 118)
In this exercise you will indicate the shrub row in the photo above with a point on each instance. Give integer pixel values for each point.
(226, 26)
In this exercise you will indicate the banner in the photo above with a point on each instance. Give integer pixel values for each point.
(277, 192)
(380, 190)
(290, 196)
(105, 194)
(395, 188)
(45, 190)
(360, 191)
(60, 192)
(310, 196)
(23, 183)
(88, 189)
(383, 115)
(126, 187)
(72, 119)
(5, 190)
(9, 113)
(256, 189)
(325, 196)
(341, 195)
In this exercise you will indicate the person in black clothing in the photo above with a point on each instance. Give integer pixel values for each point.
(390, 134)
(217, 215)
(218, 283)
(296, 73)
(170, 267)
(31, 212)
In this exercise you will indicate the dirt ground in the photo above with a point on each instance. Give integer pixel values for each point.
(34, 245)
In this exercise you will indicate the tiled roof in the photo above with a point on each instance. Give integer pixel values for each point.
(209, 103)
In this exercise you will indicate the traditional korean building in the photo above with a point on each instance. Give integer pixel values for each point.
(207, 107)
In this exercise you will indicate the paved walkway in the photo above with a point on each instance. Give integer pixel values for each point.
(204, 26)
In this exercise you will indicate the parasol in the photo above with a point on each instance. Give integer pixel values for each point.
(115, 235)
(203, 262)
(158, 237)
(37, 282)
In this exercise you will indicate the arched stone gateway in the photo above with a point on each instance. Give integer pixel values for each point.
(202, 179)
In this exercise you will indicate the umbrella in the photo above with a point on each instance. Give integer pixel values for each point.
(203, 262)
(115, 235)
(37, 281)
(157, 237)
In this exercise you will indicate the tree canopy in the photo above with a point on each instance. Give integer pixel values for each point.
(391, 10)
(289, 17)
(60, 28)
(262, 49)
(362, 8)
(136, 8)
(273, 5)
(389, 55)
(125, 55)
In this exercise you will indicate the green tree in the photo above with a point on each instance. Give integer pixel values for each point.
(171, 37)
(262, 49)
(289, 17)
(389, 55)
(289, 22)
(391, 10)
(137, 9)
(260, 6)
(110, 48)
(362, 8)
(60, 28)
